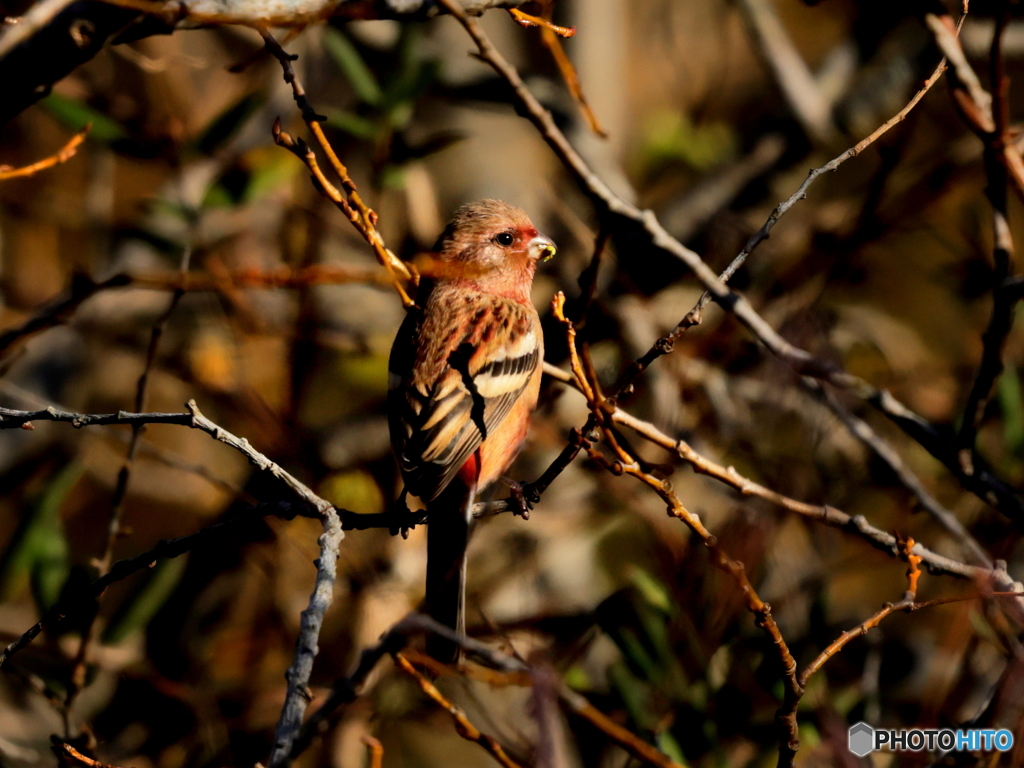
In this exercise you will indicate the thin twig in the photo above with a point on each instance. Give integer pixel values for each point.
(70, 605)
(345, 690)
(982, 482)
(278, 277)
(787, 714)
(362, 217)
(828, 515)
(141, 400)
(794, 77)
(574, 702)
(14, 419)
(296, 697)
(1003, 302)
(625, 463)
(83, 288)
(463, 726)
(62, 156)
(67, 751)
(551, 35)
(553, 43)
(625, 738)
(975, 104)
(694, 317)
(514, 671)
(59, 310)
(79, 667)
(526, 20)
(863, 432)
(376, 751)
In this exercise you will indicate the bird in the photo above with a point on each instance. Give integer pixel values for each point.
(463, 380)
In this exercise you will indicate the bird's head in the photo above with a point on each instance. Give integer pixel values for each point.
(493, 245)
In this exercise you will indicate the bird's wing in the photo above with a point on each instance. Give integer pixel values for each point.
(446, 397)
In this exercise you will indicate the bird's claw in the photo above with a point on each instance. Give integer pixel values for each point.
(521, 505)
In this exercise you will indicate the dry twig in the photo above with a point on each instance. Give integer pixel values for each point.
(787, 713)
(69, 752)
(78, 673)
(982, 481)
(63, 155)
(463, 727)
(625, 463)
(527, 21)
(376, 751)
(514, 671)
(551, 35)
(279, 277)
(298, 673)
(863, 432)
(166, 548)
(791, 72)
(573, 701)
(363, 218)
(60, 310)
(988, 117)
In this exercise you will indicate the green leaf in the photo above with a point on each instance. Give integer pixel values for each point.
(76, 115)
(392, 177)
(354, 490)
(408, 86)
(673, 137)
(352, 66)
(636, 695)
(228, 123)
(667, 743)
(135, 613)
(654, 592)
(38, 552)
(1011, 399)
(217, 196)
(268, 171)
(577, 678)
(353, 124)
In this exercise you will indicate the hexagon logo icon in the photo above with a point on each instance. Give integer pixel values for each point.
(862, 739)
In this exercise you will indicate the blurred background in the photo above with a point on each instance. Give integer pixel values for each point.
(885, 268)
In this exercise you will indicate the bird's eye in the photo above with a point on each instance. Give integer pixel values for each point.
(505, 238)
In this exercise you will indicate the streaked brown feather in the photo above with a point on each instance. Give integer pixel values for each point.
(431, 408)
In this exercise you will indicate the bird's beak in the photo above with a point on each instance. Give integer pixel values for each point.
(541, 248)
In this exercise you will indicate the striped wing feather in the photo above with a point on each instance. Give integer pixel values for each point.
(438, 421)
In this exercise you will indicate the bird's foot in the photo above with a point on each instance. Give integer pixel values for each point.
(520, 504)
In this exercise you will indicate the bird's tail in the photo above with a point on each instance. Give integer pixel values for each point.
(448, 518)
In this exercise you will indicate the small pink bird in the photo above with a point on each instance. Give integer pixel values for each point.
(464, 374)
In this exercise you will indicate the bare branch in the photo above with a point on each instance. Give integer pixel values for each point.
(63, 155)
(69, 752)
(298, 673)
(981, 481)
(78, 673)
(626, 463)
(463, 726)
(363, 218)
(791, 72)
(60, 310)
(863, 432)
(376, 751)
(166, 548)
(998, 148)
(297, 698)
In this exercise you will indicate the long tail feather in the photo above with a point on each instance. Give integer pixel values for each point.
(448, 518)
